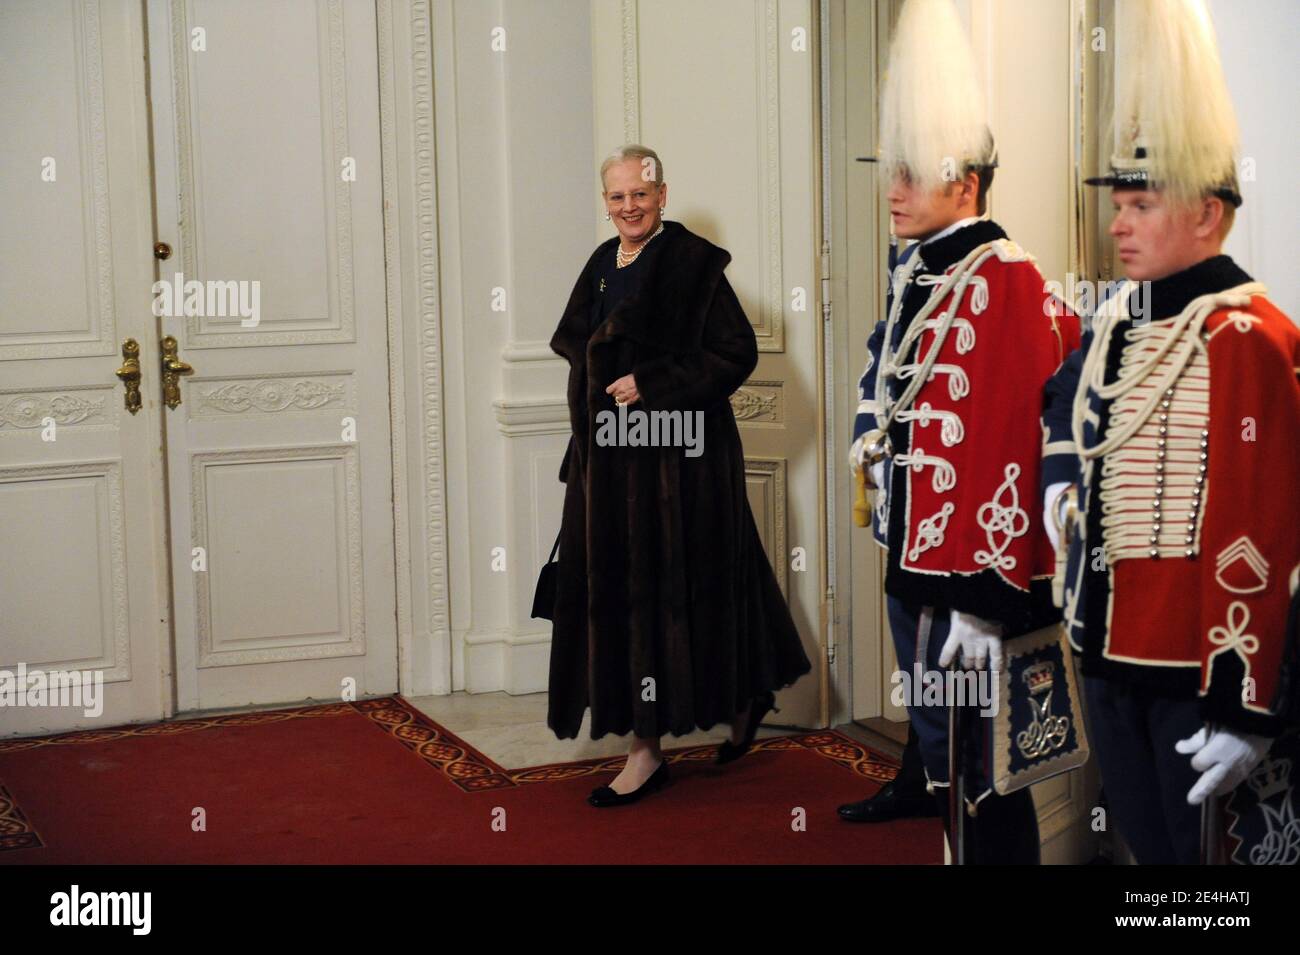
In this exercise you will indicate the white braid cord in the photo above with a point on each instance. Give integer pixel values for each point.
(951, 432)
(959, 279)
(1184, 333)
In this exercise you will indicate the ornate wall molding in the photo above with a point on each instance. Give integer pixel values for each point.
(270, 394)
(430, 322)
(86, 406)
(631, 75)
(407, 120)
(759, 403)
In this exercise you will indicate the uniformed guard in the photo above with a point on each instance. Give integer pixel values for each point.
(948, 416)
(1175, 429)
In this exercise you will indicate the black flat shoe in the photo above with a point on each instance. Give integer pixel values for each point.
(892, 802)
(604, 796)
(729, 751)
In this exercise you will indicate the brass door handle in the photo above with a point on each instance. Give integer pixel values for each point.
(129, 373)
(172, 368)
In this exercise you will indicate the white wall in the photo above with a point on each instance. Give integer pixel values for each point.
(516, 197)
(1023, 51)
(1257, 43)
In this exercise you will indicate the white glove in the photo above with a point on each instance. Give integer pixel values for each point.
(1224, 759)
(979, 640)
(1050, 497)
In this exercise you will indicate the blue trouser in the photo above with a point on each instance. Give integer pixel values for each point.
(919, 637)
(1146, 780)
(1005, 830)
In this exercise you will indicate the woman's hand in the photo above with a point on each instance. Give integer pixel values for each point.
(624, 391)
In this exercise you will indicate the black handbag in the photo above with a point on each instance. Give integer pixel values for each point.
(544, 595)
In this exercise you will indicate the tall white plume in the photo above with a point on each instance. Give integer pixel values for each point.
(1175, 100)
(932, 110)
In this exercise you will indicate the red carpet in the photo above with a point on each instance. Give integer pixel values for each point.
(378, 782)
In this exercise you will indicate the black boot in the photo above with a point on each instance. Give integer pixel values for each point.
(903, 797)
(1003, 831)
(1006, 830)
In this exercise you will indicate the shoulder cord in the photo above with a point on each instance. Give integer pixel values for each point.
(1185, 333)
(960, 278)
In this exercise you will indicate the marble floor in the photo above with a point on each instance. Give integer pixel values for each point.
(512, 730)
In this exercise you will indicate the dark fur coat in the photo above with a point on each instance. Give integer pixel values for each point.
(662, 575)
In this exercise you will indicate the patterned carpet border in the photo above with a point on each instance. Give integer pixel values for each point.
(469, 769)
(463, 765)
(830, 744)
(458, 762)
(174, 727)
(16, 830)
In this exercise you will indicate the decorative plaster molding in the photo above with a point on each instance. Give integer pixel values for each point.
(631, 75)
(271, 394)
(27, 410)
(429, 322)
(759, 403)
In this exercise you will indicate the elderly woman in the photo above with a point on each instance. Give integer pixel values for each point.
(667, 614)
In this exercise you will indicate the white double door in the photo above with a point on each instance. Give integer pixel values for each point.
(236, 548)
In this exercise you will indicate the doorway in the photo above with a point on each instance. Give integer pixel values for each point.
(196, 476)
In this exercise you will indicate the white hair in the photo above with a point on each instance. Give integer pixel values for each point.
(635, 151)
(1176, 100)
(933, 122)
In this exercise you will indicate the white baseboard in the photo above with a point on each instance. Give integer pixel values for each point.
(501, 660)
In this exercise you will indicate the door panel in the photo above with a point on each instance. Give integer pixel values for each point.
(279, 454)
(81, 487)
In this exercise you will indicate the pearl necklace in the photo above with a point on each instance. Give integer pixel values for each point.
(625, 259)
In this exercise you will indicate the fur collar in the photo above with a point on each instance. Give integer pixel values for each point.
(666, 313)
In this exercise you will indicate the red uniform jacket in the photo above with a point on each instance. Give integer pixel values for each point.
(965, 523)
